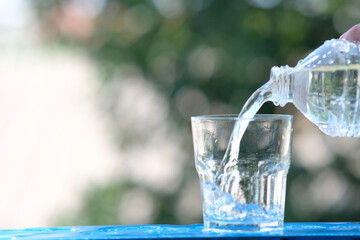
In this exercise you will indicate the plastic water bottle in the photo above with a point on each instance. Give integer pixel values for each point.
(325, 87)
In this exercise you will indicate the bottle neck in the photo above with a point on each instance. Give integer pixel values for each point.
(282, 84)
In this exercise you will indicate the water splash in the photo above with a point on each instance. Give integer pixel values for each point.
(227, 171)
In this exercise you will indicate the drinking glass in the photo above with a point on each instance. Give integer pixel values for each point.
(253, 197)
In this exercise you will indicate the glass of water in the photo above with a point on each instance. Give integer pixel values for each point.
(254, 199)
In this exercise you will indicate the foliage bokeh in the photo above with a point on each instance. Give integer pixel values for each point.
(203, 57)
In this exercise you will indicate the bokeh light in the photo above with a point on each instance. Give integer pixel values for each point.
(96, 98)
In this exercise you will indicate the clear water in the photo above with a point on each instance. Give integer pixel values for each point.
(247, 189)
(254, 197)
(230, 160)
(329, 97)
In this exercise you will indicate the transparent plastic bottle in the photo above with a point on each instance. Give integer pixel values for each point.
(325, 87)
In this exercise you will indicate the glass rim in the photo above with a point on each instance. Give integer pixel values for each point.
(235, 117)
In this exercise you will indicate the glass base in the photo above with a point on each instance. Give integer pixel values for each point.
(221, 226)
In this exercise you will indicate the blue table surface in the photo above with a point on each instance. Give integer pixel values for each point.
(290, 231)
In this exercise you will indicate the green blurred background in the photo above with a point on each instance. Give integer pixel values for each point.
(159, 62)
(200, 57)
